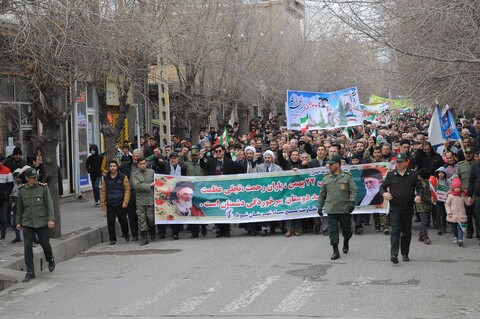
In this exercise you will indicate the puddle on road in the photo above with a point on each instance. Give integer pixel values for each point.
(472, 274)
(130, 252)
(312, 273)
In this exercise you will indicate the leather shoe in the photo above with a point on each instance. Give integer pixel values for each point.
(345, 247)
(335, 256)
(28, 277)
(469, 235)
(51, 265)
(405, 258)
(394, 259)
(288, 233)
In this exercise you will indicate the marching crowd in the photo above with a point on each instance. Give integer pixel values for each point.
(123, 186)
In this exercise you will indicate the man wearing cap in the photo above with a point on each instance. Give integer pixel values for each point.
(35, 215)
(339, 193)
(399, 188)
(463, 172)
(6, 186)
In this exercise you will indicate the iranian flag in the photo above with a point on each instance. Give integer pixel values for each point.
(304, 124)
(224, 138)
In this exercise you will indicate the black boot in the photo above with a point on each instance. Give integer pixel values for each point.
(144, 238)
(336, 253)
(345, 246)
(153, 233)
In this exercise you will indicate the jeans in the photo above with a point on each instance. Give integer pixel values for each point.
(457, 231)
(401, 235)
(14, 220)
(345, 221)
(4, 211)
(114, 212)
(96, 187)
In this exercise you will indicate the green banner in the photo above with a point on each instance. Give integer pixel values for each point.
(258, 197)
(394, 104)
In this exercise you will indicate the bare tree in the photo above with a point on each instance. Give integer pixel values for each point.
(39, 45)
(430, 45)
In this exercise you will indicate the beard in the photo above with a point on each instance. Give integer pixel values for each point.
(373, 191)
(183, 207)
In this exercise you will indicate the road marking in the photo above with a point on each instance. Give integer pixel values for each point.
(248, 296)
(298, 297)
(39, 288)
(191, 304)
(139, 305)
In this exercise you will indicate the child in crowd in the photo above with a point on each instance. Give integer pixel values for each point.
(456, 214)
(424, 207)
(442, 187)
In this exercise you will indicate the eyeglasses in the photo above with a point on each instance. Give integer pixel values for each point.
(218, 151)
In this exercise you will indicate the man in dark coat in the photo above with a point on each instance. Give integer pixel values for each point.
(220, 164)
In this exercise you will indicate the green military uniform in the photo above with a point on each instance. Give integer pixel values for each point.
(34, 211)
(144, 202)
(338, 194)
(463, 172)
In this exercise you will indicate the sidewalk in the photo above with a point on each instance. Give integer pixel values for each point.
(83, 226)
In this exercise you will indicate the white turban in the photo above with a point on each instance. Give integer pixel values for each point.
(250, 148)
(270, 153)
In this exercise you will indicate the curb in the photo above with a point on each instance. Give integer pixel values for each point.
(64, 248)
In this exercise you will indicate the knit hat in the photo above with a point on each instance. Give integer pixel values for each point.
(424, 173)
(456, 183)
(17, 151)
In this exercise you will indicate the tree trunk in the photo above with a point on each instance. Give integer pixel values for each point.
(49, 155)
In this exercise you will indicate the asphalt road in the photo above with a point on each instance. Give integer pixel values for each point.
(253, 277)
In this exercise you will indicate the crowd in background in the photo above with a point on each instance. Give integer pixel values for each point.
(269, 146)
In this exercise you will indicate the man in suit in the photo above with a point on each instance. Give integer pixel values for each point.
(219, 164)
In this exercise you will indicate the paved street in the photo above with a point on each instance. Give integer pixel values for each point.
(256, 277)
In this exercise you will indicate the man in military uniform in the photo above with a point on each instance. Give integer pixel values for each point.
(143, 183)
(463, 172)
(339, 192)
(35, 215)
(399, 188)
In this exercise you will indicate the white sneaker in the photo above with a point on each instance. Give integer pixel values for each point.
(3, 243)
(455, 240)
